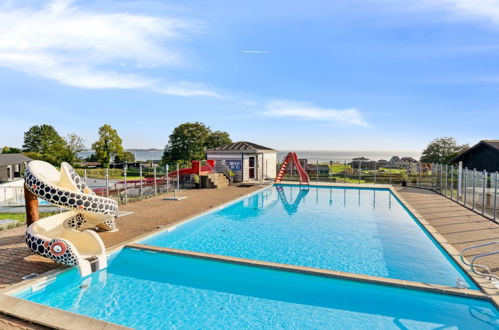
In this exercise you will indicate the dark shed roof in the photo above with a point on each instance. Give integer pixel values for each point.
(493, 144)
(9, 159)
(241, 146)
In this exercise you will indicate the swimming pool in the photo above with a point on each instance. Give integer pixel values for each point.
(356, 230)
(147, 290)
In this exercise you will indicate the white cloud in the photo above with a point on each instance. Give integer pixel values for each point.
(86, 49)
(308, 111)
(188, 89)
(479, 9)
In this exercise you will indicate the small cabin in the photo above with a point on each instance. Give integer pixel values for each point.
(12, 166)
(248, 161)
(482, 156)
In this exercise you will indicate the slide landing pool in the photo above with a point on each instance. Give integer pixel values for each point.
(363, 231)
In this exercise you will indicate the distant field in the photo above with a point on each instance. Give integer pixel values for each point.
(337, 168)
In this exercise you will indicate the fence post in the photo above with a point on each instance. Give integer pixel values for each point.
(317, 169)
(107, 182)
(167, 178)
(375, 170)
(451, 181)
(495, 193)
(140, 178)
(484, 184)
(360, 170)
(432, 173)
(178, 178)
(155, 184)
(441, 177)
(465, 179)
(345, 170)
(390, 175)
(124, 182)
(446, 178)
(85, 176)
(474, 187)
(420, 165)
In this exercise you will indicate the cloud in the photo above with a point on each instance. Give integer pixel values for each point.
(476, 9)
(86, 49)
(301, 110)
(188, 89)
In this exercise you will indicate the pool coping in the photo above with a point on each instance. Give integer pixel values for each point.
(53, 317)
(442, 289)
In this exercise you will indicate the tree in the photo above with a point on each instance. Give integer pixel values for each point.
(442, 150)
(109, 143)
(10, 150)
(217, 139)
(127, 156)
(186, 143)
(45, 141)
(74, 145)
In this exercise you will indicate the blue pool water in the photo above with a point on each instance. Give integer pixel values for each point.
(363, 231)
(147, 290)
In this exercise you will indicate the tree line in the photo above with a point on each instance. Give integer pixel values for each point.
(187, 142)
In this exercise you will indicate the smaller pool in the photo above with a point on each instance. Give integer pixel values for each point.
(147, 290)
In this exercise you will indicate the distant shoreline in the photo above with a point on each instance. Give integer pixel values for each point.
(311, 155)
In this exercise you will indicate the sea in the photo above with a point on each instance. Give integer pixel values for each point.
(310, 155)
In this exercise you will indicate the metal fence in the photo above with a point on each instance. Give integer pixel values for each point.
(123, 185)
(476, 190)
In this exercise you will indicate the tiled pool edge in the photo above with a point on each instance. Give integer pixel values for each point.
(491, 292)
(319, 272)
(49, 316)
(81, 321)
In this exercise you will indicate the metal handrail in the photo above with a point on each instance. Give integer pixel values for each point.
(472, 262)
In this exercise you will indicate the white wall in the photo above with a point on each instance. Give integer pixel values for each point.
(265, 164)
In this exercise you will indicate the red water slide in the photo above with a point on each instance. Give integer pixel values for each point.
(196, 168)
(292, 157)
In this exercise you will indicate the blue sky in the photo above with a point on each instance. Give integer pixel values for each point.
(319, 75)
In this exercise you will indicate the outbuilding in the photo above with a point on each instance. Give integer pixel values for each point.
(248, 161)
(482, 156)
(12, 166)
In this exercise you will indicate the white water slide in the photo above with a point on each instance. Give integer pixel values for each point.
(65, 237)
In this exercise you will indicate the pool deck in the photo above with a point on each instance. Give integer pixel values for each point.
(457, 225)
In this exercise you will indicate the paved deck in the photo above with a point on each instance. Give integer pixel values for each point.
(460, 227)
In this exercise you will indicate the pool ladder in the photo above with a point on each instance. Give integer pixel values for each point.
(473, 266)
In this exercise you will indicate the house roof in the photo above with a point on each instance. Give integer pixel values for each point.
(241, 146)
(9, 159)
(494, 144)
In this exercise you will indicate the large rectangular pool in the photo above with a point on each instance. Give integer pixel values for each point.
(356, 230)
(147, 290)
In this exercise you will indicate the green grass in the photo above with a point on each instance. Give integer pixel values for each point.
(338, 168)
(20, 217)
(393, 170)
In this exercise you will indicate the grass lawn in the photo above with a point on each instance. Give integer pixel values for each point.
(20, 217)
(337, 168)
(394, 170)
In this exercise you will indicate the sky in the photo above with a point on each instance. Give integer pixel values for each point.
(292, 75)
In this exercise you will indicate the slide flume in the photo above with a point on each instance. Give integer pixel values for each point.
(58, 237)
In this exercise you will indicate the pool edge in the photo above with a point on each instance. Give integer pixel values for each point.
(441, 289)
